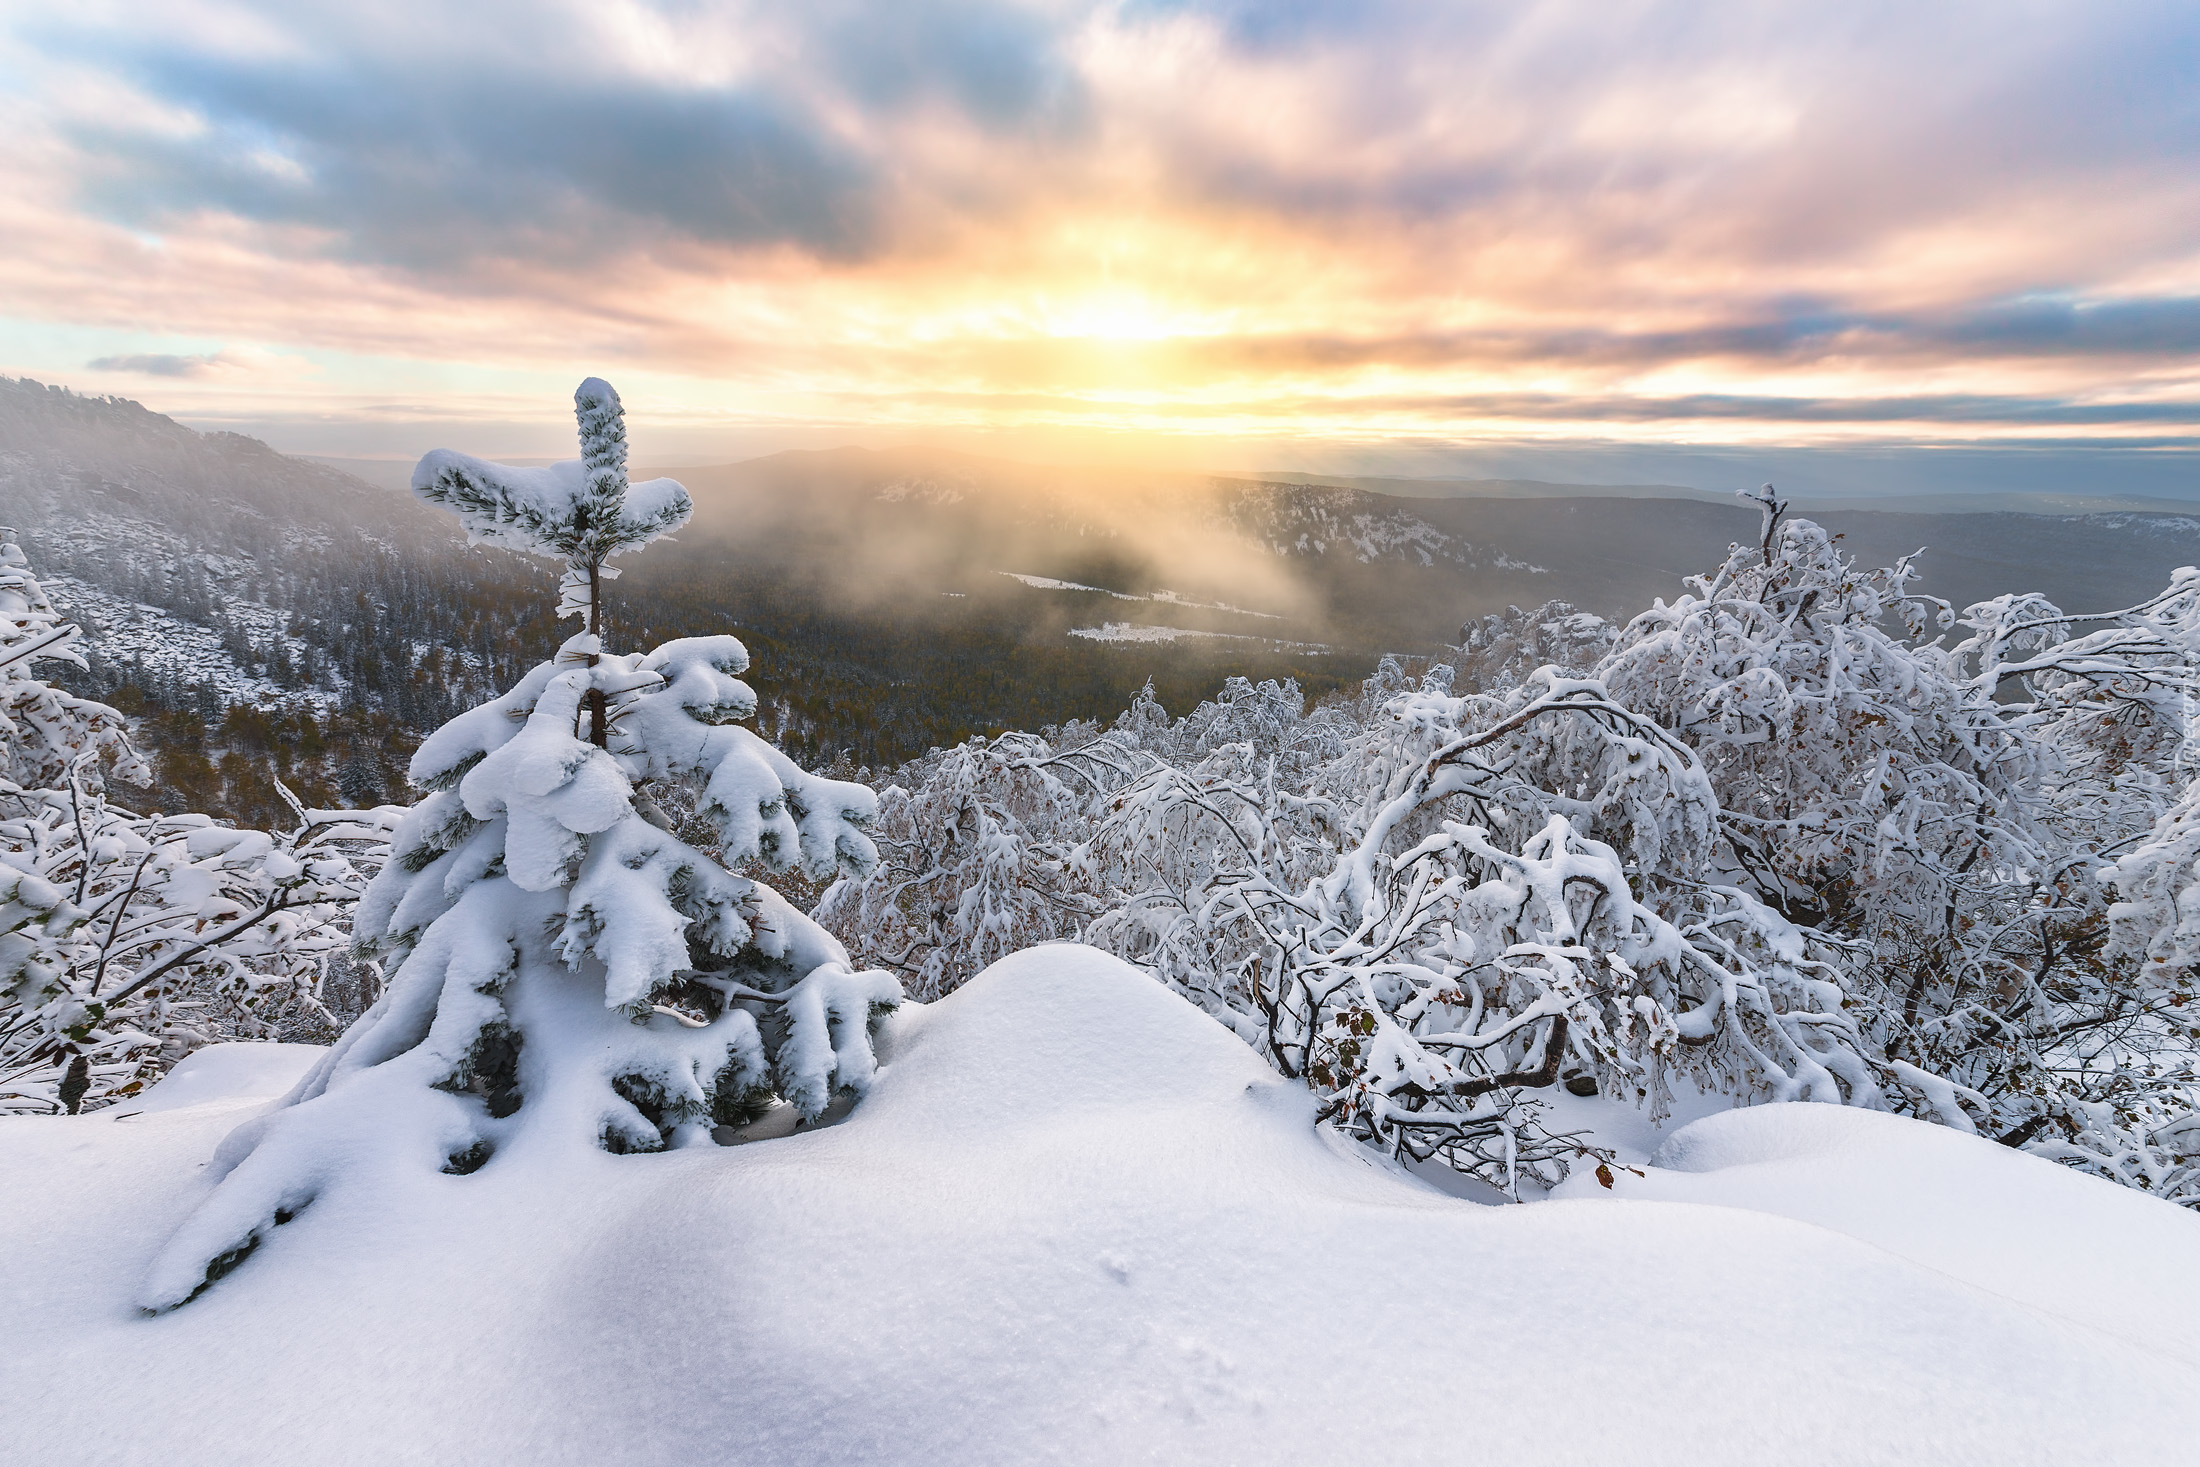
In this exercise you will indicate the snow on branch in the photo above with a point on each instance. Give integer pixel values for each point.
(127, 939)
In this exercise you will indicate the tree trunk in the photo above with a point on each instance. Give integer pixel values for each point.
(599, 725)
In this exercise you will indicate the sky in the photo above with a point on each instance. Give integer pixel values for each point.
(1934, 243)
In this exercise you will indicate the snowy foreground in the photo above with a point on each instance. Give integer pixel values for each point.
(1077, 1221)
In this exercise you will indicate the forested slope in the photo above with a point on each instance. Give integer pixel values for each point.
(263, 614)
(259, 614)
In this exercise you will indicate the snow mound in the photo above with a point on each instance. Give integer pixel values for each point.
(229, 1072)
(1988, 1215)
(1076, 1221)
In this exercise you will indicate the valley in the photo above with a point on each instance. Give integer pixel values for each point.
(894, 601)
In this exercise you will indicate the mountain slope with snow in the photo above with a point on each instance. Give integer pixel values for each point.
(910, 597)
(1076, 1221)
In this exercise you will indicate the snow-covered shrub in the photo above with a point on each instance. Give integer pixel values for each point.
(45, 731)
(2157, 923)
(131, 940)
(1423, 939)
(1264, 717)
(564, 972)
(1504, 647)
(1778, 839)
(1856, 773)
(1925, 820)
(987, 847)
(981, 857)
(2096, 1012)
(126, 939)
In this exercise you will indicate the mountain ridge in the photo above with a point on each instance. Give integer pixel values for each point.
(896, 598)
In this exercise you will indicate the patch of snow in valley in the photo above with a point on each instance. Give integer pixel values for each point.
(1130, 632)
(1171, 598)
(1048, 583)
(1175, 598)
(1126, 631)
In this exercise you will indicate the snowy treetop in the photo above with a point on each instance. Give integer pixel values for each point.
(581, 511)
(550, 511)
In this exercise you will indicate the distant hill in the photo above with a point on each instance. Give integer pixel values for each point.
(1345, 565)
(258, 612)
(893, 599)
(1441, 488)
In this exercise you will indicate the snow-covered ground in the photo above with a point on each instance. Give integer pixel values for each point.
(225, 1074)
(1076, 1221)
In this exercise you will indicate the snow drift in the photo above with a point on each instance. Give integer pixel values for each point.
(1077, 1221)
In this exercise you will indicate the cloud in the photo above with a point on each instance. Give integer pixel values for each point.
(443, 151)
(1164, 209)
(433, 141)
(156, 365)
(1340, 411)
(461, 167)
(2162, 327)
(1002, 66)
(1940, 408)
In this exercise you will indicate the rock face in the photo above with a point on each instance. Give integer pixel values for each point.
(1076, 1221)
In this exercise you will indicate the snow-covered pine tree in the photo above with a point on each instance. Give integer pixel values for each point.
(565, 973)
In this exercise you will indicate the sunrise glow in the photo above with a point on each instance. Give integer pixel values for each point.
(1287, 225)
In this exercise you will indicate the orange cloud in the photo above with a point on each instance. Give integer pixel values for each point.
(1387, 221)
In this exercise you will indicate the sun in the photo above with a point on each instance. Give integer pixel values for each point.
(1117, 314)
